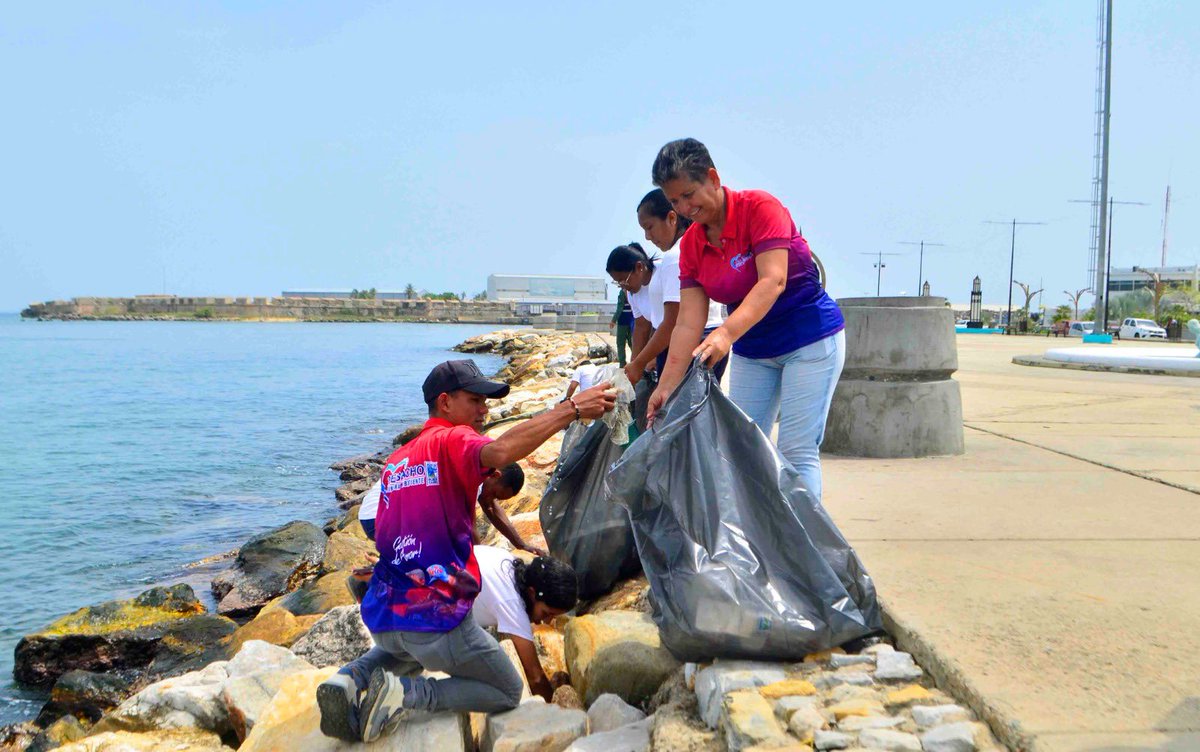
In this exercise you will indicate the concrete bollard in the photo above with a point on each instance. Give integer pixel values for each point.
(896, 397)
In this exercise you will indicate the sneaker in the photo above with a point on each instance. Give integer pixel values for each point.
(337, 697)
(358, 588)
(383, 705)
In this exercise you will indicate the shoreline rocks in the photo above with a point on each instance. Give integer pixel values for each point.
(269, 565)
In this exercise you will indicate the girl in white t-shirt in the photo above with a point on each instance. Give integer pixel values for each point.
(664, 228)
(652, 289)
(516, 595)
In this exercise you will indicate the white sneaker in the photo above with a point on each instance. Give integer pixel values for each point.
(382, 708)
(337, 697)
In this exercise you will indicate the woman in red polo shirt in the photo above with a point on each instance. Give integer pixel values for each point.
(744, 250)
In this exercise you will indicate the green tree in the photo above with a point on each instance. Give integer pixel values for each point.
(410, 292)
(481, 295)
(1062, 313)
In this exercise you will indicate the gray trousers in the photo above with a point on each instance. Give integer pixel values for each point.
(482, 678)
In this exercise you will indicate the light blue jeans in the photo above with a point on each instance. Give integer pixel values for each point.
(797, 387)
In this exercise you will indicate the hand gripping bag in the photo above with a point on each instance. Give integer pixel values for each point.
(581, 524)
(742, 561)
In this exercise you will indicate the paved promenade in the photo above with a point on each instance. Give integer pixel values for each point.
(1053, 572)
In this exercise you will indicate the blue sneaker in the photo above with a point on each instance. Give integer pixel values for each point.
(383, 706)
(337, 698)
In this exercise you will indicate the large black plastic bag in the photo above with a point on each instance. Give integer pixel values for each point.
(581, 524)
(742, 561)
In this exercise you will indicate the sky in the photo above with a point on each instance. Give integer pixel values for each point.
(247, 148)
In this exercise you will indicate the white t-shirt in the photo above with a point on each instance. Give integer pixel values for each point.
(647, 303)
(586, 376)
(716, 315)
(370, 503)
(499, 604)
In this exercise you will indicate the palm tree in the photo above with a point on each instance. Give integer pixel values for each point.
(1075, 296)
(410, 292)
(1029, 296)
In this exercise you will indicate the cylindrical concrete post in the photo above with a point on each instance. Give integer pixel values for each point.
(896, 397)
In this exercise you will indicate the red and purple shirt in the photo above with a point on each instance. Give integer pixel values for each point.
(755, 222)
(427, 578)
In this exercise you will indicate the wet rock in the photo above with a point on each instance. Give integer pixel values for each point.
(192, 740)
(189, 701)
(610, 712)
(189, 645)
(353, 490)
(717, 680)
(336, 639)
(291, 722)
(62, 731)
(114, 635)
(317, 597)
(269, 565)
(85, 694)
(634, 737)
(747, 720)
(618, 652)
(533, 727)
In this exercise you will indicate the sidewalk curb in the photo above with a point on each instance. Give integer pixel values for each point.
(1041, 362)
(951, 678)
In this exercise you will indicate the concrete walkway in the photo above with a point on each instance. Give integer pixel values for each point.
(1052, 574)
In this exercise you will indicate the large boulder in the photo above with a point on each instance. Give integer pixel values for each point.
(610, 712)
(346, 551)
(192, 740)
(121, 635)
(277, 626)
(189, 701)
(533, 727)
(317, 597)
(336, 639)
(85, 694)
(255, 675)
(618, 652)
(268, 566)
(292, 721)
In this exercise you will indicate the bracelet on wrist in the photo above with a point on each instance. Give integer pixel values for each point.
(578, 415)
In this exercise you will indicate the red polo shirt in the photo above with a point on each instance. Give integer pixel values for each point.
(755, 222)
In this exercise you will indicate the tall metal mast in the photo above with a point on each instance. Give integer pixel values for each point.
(1101, 286)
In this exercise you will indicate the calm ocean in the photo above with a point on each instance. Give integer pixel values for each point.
(130, 449)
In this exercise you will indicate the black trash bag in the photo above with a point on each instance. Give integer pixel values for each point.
(742, 560)
(642, 392)
(581, 524)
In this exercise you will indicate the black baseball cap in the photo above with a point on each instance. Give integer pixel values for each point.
(460, 374)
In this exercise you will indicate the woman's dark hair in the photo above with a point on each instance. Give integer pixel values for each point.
(656, 203)
(554, 583)
(686, 157)
(625, 257)
(513, 476)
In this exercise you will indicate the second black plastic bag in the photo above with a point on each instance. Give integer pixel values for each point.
(581, 524)
(742, 561)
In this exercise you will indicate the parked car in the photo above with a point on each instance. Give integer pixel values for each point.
(1080, 328)
(1141, 329)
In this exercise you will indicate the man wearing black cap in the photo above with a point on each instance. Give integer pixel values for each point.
(418, 605)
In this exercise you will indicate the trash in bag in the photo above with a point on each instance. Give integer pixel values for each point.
(642, 393)
(742, 561)
(621, 416)
(582, 526)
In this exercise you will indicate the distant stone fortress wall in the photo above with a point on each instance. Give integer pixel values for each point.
(264, 309)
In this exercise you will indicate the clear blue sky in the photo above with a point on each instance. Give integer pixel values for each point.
(246, 148)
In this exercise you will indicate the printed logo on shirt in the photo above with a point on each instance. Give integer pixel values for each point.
(407, 548)
(403, 476)
(738, 261)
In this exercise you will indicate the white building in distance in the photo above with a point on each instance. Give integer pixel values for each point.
(544, 293)
(1122, 281)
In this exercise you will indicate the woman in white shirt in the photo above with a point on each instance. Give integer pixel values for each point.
(516, 595)
(652, 289)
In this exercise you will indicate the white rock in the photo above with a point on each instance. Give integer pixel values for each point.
(860, 722)
(336, 639)
(192, 700)
(258, 655)
(832, 740)
(952, 737)
(533, 727)
(879, 647)
(806, 722)
(896, 741)
(837, 660)
(634, 737)
(933, 715)
(855, 678)
(896, 666)
(610, 712)
(786, 706)
(714, 682)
